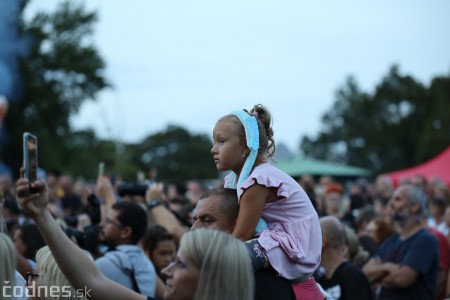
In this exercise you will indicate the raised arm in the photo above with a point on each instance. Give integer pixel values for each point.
(79, 269)
(161, 214)
(106, 191)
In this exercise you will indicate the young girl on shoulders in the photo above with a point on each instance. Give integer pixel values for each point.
(290, 239)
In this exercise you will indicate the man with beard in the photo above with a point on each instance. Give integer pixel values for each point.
(125, 263)
(406, 265)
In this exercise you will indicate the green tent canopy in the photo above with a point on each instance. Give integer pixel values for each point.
(298, 166)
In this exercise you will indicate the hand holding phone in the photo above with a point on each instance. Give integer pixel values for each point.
(30, 157)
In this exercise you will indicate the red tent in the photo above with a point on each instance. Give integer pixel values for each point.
(439, 166)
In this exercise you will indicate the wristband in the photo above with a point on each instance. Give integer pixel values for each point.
(153, 203)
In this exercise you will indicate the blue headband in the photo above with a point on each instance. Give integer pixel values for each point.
(251, 128)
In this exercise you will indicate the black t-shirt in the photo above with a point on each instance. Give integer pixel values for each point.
(348, 283)
(269, 286)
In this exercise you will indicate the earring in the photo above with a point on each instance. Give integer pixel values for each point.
(243, 156)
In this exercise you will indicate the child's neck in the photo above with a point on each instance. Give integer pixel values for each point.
(257, 163)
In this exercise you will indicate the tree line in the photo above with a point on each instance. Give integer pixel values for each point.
(400, 124)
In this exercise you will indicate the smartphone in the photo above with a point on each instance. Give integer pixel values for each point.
(30, 156)
(140, 176)
(101, 169)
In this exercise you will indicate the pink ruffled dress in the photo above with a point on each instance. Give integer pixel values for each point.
(293, 238)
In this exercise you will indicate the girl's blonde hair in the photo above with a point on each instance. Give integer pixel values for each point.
(266, 140)
(51, 275)
(224, 263)
(7, 262)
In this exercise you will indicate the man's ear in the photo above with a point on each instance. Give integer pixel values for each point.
(414, 208)
(126, 233)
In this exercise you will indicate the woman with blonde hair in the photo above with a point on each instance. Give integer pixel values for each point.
(47, 282)
(218, 262)
(7, 262)
(11, 283)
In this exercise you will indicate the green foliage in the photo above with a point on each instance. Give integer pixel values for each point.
(84, 153)
(176, 154)
(62, 70)
(400, 124)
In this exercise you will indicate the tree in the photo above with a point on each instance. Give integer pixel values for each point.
(63, 70)
(401, 124)
(177, 155)
(85, 151)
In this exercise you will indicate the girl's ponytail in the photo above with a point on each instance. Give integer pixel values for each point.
(266, 140)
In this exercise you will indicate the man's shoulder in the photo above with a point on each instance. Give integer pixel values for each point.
(425, 237)
(112, 260)
(427, 233)
(121, 256)
(128, 248)
(348, 270)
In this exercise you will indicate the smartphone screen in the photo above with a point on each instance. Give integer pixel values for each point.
(30, 155)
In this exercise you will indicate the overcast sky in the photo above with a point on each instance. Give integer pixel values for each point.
(188, 63)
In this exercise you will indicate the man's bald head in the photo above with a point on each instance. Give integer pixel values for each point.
(333, 232)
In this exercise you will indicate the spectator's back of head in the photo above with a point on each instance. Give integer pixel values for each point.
(50, 275)
(333, 232)
(356, 253)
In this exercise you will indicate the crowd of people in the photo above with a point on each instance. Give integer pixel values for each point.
(260, 234)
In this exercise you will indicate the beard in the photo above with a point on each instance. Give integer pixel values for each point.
(402, 216)
(103, 239)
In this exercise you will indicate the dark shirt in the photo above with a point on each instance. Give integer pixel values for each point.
(348, 282)
(419, 252)
(269, 286)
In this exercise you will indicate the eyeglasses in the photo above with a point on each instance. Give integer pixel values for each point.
(109, 221)
(30, 277)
